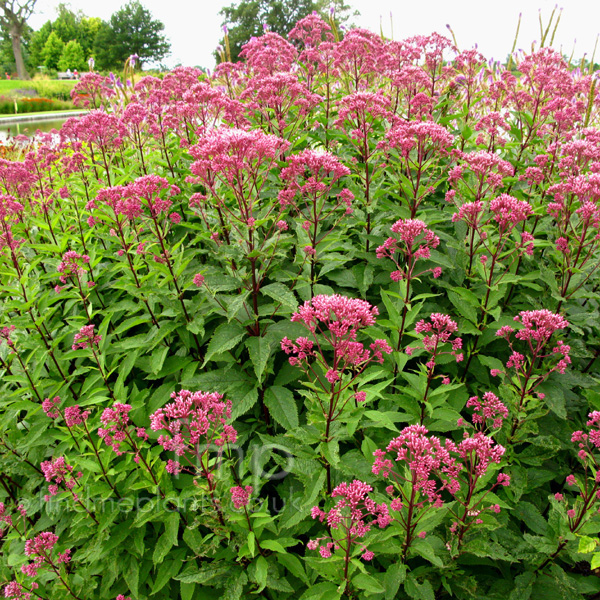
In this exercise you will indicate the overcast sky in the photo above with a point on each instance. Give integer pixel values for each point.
(194, 26)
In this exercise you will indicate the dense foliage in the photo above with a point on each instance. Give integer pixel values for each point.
(72, 38)
(322, 325)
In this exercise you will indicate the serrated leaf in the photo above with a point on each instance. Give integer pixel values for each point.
(282, 406)
(158, 358)
(292, 563)
(235, 586)
(523, 586)
(172, 527)
(282, 294)
(419, 591)
(225, 337)
(262, 568)
(273, 545)
(368, 583)
(395, 574)
(161, 548)
(259, 350)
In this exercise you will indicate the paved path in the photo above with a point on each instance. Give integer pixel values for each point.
(50, 116)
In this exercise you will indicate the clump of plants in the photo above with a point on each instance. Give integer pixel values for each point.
(323, 324)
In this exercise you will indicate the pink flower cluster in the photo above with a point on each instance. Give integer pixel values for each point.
(338, 319)
(240, 496)
(490, 408)
(15, 591)
(58, 472)
(434, 466)
(86, 337)
(70, 265)
(585, 504)
(354, 513)
(193, 419)
(312, 173)
(233, 154)
(424, 455)
(39, 549)
(115, 423)
(416, 242)
(539, 326)
(439, 330)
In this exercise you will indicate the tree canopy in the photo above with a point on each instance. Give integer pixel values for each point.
(130, 30)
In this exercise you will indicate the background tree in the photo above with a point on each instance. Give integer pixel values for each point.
(247, 18)
(68, 26)
(7, 57)
(72, 57)
(13, 18)
(131, 30)
(36, 44)
(53, 49)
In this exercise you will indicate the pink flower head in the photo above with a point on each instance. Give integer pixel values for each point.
(240, 496)
(338, 319)
(71, 265)
(193, 422)
(39, 550)
(75, 416)
(360, 396)
(115, 423)
(490, 408)
(198, 279)
(354, 512)
(415, 242)
(50, 407)
(438, 330)
(234, 154)
(423, 455)
(145, 192)
(86, 337)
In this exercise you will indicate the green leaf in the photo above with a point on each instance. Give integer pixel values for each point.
(235, 586)
(418, 591)
(465, 302)
(187, 590)
(172, 527)
(158, 358)
(531, 517)
(245, 404)
(282, 294)
(282, 406)
(161, 548)
(293, 564)
(259, 350)
(523, 586)
(273, 545)
(262, 568)
(368, 583)
(323, 591)
(205, 574)
(166, 571)
(394, 576)
(225, 337)
(586, 544)
(251, 543)
(423, 548)
(132, 575)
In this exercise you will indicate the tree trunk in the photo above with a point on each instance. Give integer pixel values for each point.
(15, 35)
